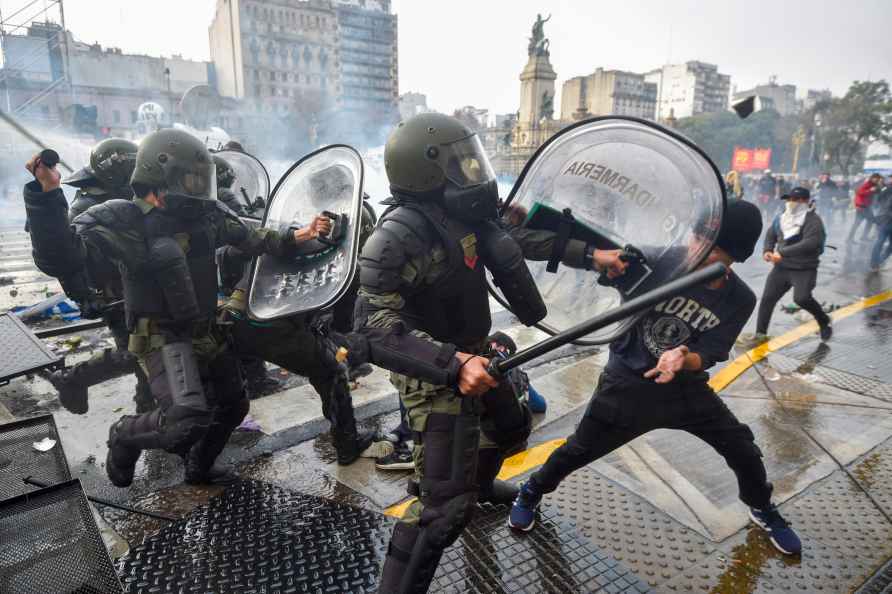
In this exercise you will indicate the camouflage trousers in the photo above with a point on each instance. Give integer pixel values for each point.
(461, 451)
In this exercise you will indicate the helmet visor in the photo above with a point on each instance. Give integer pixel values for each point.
(198, 181)
(466, 163)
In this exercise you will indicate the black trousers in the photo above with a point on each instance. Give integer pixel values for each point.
(624, 408)
(779, 281)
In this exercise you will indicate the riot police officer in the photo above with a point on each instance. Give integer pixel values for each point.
(164, 242)
(291, 344)
(107, 177)
(423, 309)
(225, 179)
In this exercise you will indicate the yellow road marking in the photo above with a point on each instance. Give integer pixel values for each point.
(536, 455)
(735, 369)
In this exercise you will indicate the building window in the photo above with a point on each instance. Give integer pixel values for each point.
(133, 117)
(116, 116)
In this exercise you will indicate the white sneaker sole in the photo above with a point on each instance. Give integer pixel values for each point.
(764, 527)
(398, 466)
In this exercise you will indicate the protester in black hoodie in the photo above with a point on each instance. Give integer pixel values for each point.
(794, 243)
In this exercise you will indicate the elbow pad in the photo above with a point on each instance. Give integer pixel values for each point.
(171, 272)
(397, 350)
(504, 259)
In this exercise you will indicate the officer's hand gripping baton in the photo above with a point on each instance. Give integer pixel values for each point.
(499, 367)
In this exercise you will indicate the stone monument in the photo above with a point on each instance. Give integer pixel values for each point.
(535, 118)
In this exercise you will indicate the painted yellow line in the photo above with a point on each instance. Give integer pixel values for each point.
(735, 369)
(511, 467)
(537, 455)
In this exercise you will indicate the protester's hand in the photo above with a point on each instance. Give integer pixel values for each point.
(670, 363)
(48, 177)
(610, 261)
(473, 380)
(776, 257)
(321, 225)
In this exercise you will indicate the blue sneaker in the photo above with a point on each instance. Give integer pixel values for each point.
(523, 512)
(779, 532)
(537, 402)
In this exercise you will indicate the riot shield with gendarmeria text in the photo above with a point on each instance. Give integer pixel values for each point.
(329, 182)
(251, 178)
(614, 182)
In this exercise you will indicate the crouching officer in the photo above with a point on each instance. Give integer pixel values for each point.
(106, 178)
(164, 242)
(423, 310)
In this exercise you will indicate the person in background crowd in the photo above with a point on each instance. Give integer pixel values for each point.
(843, 199)
(864, 206)
(883, 245)
(826, 191)
(794, 243)
(733, 186)
(767, 185)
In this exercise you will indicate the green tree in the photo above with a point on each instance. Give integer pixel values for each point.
(718, 133)
(845, 126)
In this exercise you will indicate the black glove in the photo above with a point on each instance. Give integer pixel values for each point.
(336, 349)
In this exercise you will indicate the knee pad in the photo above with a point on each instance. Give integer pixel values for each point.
(443, 524)
(184, 391)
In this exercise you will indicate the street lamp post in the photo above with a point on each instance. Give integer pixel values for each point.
(798, 139)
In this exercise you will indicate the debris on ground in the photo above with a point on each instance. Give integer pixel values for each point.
(44, 445)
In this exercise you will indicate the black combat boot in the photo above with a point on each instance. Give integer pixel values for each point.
(72, 393)
(200, 461)
(120, 461)
(348, 442)
(492, 490)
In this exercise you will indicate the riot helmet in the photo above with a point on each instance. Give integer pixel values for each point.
(225, 174)
(179, 164)
(433, 155)
(113, 161)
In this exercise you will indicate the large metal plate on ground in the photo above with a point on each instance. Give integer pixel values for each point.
(328, 181)
(49, 544)
(20, 459)
(624, 181)
(20, 351)
(260, 538)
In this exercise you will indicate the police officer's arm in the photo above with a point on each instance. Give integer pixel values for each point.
(254, 242)
(538, 245)
(394, 262)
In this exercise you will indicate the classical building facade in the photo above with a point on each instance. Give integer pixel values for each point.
(608, 92)
(688, 89)
(333, 60)
(94, 90)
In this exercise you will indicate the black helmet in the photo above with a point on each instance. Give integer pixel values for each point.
(432, 153)
(112, 162)
(178, 163)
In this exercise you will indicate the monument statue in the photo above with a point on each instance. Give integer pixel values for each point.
(538, 43)
(546, 111)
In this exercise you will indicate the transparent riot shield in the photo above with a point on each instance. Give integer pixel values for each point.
(328, 181)
(251, 180)
(615, 182)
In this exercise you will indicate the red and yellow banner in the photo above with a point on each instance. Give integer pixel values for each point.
(749, 159)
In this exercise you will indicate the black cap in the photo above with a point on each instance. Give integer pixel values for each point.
(741, 228)
(798, 192)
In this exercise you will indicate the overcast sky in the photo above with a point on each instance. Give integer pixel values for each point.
(471, 52)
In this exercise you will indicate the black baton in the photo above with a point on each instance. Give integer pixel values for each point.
(498, 368)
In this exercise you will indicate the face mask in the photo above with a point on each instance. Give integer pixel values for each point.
(794, 208)
(473, 204)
